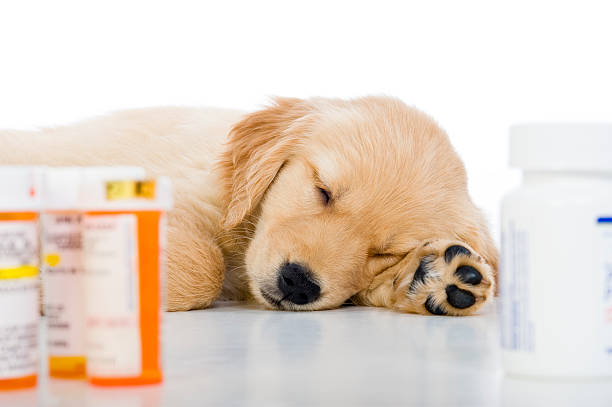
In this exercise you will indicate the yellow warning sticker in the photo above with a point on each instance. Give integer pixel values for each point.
(116, 190)
(52, 259)
(18, 272)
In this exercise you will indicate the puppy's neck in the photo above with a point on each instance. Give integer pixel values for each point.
(234, 244)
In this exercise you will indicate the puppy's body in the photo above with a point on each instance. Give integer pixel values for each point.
(249, 209)
(182, 143)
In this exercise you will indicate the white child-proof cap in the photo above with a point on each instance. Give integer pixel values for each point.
(99, 192)
(20, 188)
(62, 185)
(561, 146)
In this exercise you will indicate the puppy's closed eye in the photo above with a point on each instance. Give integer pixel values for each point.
(325, 195)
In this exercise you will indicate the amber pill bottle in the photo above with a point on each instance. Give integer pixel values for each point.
(124, 265)
(62, 265)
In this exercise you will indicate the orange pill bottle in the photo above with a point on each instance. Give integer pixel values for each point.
(19, 284)
(62, 265)
(123, 249)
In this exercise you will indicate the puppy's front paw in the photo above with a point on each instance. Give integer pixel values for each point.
(450, 279)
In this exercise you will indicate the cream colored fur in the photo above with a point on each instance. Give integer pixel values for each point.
(246, 197)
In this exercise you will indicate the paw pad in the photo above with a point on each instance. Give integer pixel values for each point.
(433, 308)
(450, 280)
(459, 298)
(454, 251)
(469, 275)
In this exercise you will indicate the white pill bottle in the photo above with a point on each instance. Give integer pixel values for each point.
(555, 277)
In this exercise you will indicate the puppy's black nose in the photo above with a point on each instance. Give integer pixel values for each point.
(296, 285)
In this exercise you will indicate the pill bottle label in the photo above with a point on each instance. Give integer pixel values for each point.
(604, 225)
(116, 190)
(514, 278)
(110, 245)
(19, 299)
(64, 299)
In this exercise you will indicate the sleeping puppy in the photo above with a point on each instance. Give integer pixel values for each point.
(300, 206)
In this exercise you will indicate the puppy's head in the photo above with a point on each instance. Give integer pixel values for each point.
(330, 194)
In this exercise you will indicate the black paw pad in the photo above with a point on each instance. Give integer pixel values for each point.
(459, 298)
(469, 275)
(431, 307)
(420, 273)
(453, 251)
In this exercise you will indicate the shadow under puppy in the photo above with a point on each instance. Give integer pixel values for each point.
(300, 206)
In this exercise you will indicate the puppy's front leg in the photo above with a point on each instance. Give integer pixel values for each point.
(440, 277)
(195, 263)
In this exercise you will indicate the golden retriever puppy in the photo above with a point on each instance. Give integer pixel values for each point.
(300, 206)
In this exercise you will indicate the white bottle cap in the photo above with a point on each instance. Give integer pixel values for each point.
(99, 192)
(561, 146)
(20, 188)
(62, 185)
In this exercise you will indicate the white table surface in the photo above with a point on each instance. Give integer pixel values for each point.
(238, 355)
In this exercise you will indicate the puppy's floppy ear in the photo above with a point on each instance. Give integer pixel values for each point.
(256, 149)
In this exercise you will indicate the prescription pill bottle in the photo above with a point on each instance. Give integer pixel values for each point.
(62, 265)
(19, 284)
(123, 241)
(556, 263)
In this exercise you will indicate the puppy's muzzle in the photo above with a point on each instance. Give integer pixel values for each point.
(296, 284)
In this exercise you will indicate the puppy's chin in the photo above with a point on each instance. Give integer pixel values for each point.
(266, 294)
(269, 300)
(273, 300)
(269, 296)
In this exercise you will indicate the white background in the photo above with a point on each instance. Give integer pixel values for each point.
(476, 66)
